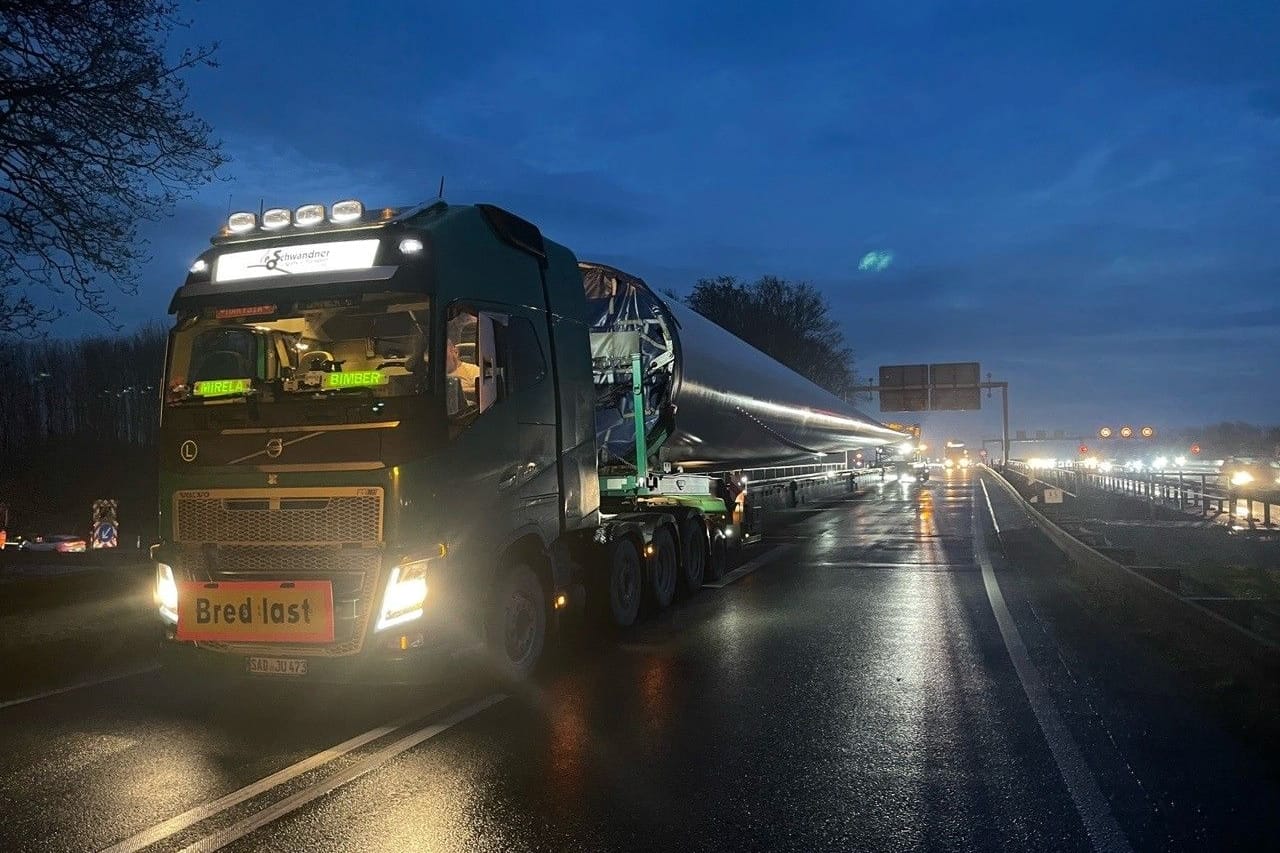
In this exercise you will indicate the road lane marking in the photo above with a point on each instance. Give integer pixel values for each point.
(990, 508)
(749, 567)
(1092, 807)
(295, 801)
(178, 823)
(142, 670)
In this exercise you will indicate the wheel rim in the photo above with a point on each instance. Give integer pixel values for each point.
(520, 626)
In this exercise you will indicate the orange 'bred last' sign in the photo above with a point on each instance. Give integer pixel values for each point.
(256, 611)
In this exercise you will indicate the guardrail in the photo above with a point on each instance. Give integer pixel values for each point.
(1197, 492)
(1185, 619)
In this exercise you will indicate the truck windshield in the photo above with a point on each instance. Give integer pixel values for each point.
(374, 346)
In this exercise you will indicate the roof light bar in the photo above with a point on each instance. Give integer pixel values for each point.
(238, 223)
(276, 217)
(309, 214)
(346, 211)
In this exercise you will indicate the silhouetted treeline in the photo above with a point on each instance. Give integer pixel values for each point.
(100, 388)
(79, 422)
(1235, 437)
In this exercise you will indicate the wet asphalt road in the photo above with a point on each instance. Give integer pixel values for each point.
(852, 691)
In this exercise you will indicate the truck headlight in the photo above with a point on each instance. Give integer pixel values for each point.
(405, 596)
(166, 593)
(1241, 478)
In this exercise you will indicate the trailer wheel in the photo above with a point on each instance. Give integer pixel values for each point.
(517, 625)
(664, 568)
(693, 539)
(719, 558)
(626, 577)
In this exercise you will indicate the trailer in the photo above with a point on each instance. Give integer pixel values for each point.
(393, 436)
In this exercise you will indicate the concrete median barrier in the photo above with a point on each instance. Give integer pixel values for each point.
(1178, 622)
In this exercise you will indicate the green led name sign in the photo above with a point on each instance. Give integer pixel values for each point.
(355, 379)
(220, 387)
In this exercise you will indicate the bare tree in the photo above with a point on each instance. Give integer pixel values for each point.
(790, 321)
(94, 136)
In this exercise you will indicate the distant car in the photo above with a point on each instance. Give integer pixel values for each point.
(1249, 473)
(60, 542)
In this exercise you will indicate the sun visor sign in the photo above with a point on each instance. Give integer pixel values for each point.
(295, 260)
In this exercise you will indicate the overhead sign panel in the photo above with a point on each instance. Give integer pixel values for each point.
(955, 386)
(904, 388)
(293, 260)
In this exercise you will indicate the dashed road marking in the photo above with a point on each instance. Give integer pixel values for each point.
(142, 670)
(295, 801)
(191, 817)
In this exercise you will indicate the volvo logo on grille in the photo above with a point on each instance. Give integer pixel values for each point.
(189, 451)
(275, 447)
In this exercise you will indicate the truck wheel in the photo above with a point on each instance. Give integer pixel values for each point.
(517, 624)
(625, 579)
(664, 569)
(719, 558)
(693, 539)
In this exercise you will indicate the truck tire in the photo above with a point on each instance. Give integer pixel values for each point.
(664, 569)
(516, 629)
(625, 580)
(693, 541)
(719, 558)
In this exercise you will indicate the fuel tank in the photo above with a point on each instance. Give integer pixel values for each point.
(712, 401)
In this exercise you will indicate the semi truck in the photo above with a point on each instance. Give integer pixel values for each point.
(955, 455)
(392, 436)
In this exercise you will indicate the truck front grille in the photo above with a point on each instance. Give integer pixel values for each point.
(352, 571)
(287, 534)
(278, 516)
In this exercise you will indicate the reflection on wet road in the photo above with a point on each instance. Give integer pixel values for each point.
(854, 691)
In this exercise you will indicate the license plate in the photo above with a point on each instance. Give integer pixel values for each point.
(256, 611)
(278, 666)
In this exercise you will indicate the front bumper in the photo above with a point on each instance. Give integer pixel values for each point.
(434, 660)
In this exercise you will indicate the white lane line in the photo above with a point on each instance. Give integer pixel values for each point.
(749, 567)
(177, 823)
(1095, 813)
(990, 509)
(259, 819)
(107, 679)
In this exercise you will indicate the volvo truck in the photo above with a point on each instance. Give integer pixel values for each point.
(391, 436)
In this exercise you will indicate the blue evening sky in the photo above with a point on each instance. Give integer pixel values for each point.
(1083, 196)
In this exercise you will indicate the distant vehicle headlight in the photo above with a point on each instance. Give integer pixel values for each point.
(1241, 478)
